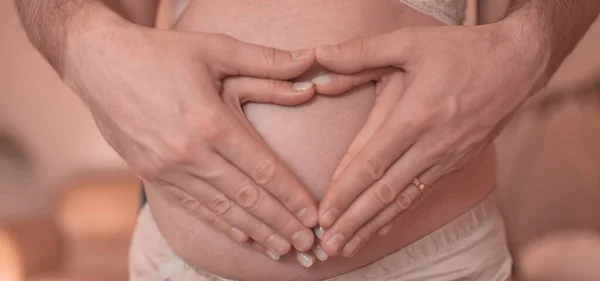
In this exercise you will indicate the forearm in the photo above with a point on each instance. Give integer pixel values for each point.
(50, 24)
(557, 24)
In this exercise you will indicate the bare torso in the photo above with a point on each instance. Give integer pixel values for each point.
(311, 138)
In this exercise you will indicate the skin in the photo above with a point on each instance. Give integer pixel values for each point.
(310, 143)
(428, 131)
(62, 47)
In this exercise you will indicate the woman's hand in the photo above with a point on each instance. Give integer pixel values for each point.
(155, 96)
(460, 86)
(235, 92)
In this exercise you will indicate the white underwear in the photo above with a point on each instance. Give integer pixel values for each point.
(471, 247)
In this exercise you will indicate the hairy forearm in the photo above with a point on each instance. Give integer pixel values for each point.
(558, 24)
(48, 24)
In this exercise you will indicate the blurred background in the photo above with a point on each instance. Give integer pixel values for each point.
(68, 203)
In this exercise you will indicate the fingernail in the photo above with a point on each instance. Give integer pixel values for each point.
(319, 231)
(330, 216)
(323, 79)
(302, 240)
(279, 245)
(321, 255)
(335, 241)
(305, 259)
(308, 216)
(272, 255)
(301, 54)
(238, 235)
(352, 247)
(384, 231)
(302, 86)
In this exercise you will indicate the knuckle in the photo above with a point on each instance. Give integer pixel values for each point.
(427, 115)
(265, 172)
(280, 223)
(373, 168)
(260, 231)
(366, 231)
(289, 200)
(220, 205)
(248, 196)
(221, 43)
(178, 152)
(210, 126)
(211, 174)
(191, 205)
(403, 201)
(382, 194)
(218, 223)
(275, 86)
(269, 56)
(364, 43)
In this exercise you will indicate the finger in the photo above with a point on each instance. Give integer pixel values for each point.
(406, 200)
(335, 83)
(305, 259)
(262, 205)
(233, 214)
(192, 205)
(239, 90)
(387, 144)
(384, 105)
(232, 57)
(391, 49)
(373, 200)
(319, 253)
(387, 228)
(257, 161)
(386, 216)
(403, 201)
(261, 249)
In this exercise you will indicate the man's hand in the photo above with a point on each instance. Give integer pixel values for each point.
(460, 85)
(155, 96)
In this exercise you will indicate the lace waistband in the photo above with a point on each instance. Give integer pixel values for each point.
(447, 11)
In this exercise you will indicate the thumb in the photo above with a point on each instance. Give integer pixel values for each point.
(239, 90)
(337, 83)
(391, 49)
(233, 57)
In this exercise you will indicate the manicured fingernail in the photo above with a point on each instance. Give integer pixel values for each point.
(238, 235)
(323, 79)
(308, 216)
(335, 241)
(319, 231)
(278, 244)
(303, 240)
(329, 217)
(352, 247)
(302, 86)
(272, 255)
(301, 54)
(385, 230)
(305, 259)
(321, 255)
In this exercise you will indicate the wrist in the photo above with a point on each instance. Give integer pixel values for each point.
(90, 32)
(531, 42)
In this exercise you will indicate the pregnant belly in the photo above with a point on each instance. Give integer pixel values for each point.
(310, 138)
